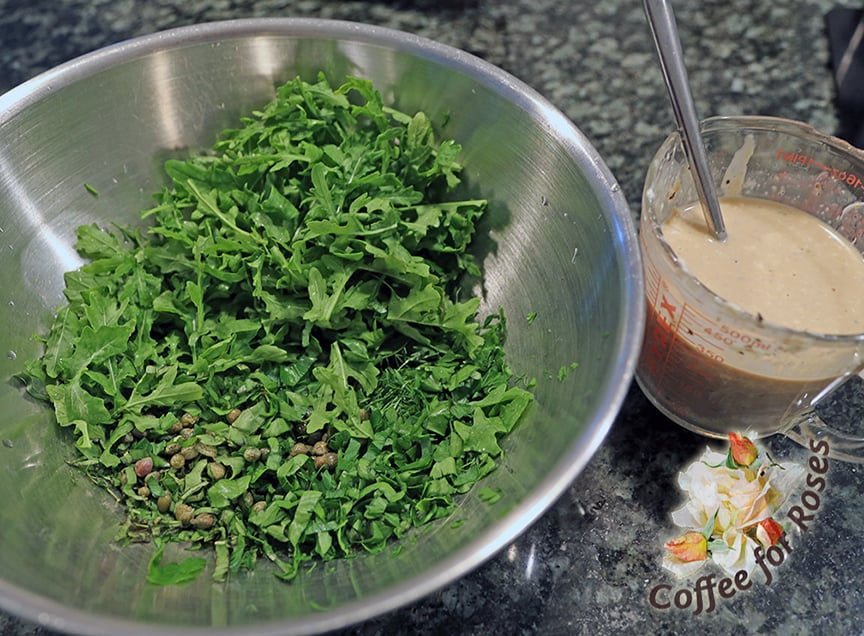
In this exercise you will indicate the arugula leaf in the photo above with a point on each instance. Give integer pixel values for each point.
(280, 365)
(176, 573)
(60, 342)
(165, 393)
(224, 491)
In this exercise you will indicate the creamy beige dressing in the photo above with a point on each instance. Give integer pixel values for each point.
(777, 262)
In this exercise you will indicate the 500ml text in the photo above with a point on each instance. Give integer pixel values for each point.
(708, 589)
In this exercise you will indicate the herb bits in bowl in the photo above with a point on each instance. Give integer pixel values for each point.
(306, 319)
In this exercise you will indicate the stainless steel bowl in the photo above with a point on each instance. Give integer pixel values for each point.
(564, 247)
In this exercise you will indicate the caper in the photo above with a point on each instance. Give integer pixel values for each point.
(177, 461)
(188, 420)
(259, 506)
(232, 415)
(204, 521)
(143, 466)
(216, 470)
(319, 448)
(187, 433)
(172, 448)
(364, 414)
(248, 499)
(189, 452)
(144, 491)
(252, 454)
(327, 460)
(299, 449)
(184, 513)
(164, 502)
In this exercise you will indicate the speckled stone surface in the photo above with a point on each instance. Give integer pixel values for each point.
(588, 565)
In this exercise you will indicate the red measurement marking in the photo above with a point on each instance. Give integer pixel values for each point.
(806, 161)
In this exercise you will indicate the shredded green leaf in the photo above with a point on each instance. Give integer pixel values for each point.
(176, 573)
(490, 495)
(281, 366)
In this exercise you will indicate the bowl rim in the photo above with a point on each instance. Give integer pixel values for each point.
(627, 336)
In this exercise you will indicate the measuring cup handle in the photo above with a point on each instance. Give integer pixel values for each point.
(812, 432)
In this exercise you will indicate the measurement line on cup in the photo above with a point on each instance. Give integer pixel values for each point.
(717, 335)
(806, 161)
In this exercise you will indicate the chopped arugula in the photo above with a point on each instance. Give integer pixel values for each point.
(175, 573)
(280, 366)
(563, 370)
(490, 495)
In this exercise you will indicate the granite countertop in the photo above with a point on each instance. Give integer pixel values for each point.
(589, 564)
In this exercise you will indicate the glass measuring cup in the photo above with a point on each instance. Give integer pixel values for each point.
(709, 365)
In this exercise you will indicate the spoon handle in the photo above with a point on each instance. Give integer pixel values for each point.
(665, 33)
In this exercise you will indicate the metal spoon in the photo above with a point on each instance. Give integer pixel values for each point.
(665, 32)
